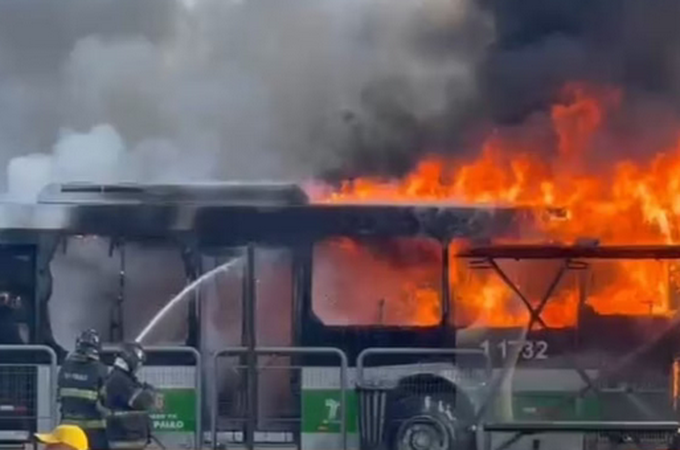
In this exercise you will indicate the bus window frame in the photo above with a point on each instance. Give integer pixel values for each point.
(306, 298)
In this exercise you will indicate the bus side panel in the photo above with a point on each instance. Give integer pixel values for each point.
(321, 393)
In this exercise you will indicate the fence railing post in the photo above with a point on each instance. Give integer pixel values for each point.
(53, 406)
(344, 368)
(54, 387)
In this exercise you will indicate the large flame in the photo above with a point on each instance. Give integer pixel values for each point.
(621, 202)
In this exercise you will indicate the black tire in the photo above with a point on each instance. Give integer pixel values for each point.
(431, 422)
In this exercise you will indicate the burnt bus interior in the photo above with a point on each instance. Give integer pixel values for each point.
(112, 220)
(146, 217)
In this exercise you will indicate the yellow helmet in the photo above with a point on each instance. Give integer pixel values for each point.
(70, 435)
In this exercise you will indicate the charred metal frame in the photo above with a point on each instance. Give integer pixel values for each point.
(250, 341)
(486, 257)
(116, 330)
(192, 269)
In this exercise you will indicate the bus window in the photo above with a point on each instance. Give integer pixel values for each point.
(392, 282)
(87, 288)
(274, 295)
(222, 299)
(480, 298)
(221, 305)
(632, 288)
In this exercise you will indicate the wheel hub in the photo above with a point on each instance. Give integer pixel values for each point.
(422, 439)
(424, 435)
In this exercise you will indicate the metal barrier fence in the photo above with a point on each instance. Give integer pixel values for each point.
(28, 391)
(417, 352)
(175, 382)
(419, 380)
(238, 411)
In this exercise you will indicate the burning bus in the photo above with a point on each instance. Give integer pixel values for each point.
(530, 327)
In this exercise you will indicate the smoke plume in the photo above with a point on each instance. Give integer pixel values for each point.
(532, 49)
(216, 89)
(539, 45)
(333, 88)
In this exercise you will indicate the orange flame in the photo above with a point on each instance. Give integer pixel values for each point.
(628, 202)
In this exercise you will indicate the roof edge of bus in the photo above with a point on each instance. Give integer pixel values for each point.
(217, 193)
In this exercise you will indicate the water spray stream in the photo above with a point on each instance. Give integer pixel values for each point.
(183, 295)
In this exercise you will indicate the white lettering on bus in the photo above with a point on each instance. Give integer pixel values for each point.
(530, 350)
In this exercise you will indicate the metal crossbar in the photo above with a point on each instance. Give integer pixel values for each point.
(572, 252)
(535, 317)
(489, 255)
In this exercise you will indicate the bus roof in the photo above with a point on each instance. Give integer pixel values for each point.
(225, 214)
(175, 194)
(542, 251)
(215, 224)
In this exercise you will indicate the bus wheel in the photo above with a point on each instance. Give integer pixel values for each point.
(423, 433)
(430, 423)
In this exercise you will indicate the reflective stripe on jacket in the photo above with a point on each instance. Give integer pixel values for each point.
(86, 424)
(84, 394)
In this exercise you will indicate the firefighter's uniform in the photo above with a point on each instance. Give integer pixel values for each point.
(81, 380)
(129, 402)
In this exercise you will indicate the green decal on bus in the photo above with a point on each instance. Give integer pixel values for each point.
(321, 411)
(177, 411)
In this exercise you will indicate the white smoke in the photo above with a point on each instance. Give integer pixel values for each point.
(99, 156)
(87, 285)
(95, 156)
(214, 88)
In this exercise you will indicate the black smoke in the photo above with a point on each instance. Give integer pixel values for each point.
(540, 45)
(537, 47)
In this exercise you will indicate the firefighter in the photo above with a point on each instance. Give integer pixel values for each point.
(81, 380)
(129, 401)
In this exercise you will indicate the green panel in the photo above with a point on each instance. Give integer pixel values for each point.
(562, 406)
(320, 410)
(177, 412)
